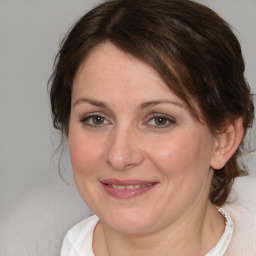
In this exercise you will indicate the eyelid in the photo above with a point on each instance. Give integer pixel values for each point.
(87, 116)
(93, 114)
(169, 118)
(156, 114)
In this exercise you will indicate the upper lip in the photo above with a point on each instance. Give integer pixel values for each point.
(126, 182)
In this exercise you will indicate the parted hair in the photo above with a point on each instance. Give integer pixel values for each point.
(189, 45)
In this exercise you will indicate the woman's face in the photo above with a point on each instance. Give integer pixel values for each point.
(140, 159)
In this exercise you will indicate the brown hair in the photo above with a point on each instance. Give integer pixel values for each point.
(192, 48)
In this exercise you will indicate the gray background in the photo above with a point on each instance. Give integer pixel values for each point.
(30, 32)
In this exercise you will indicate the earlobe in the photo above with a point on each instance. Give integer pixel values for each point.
(226, 143)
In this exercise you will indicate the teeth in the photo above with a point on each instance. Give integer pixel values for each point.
(130, 186)
(118, 187)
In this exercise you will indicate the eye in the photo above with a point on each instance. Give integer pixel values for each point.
(95, 120)
(161, 121)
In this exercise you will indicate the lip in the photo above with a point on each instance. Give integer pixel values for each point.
(126, 189)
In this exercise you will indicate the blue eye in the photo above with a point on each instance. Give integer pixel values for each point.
(161, 121)
(94, 120)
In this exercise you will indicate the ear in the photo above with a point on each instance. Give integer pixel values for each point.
(226, 143)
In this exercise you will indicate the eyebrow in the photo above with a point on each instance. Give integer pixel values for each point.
(90, 101)
(142, 106)
(154, 103)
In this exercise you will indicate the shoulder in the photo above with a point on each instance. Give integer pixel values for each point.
(241, 206)
(78, 240)
(243, 194)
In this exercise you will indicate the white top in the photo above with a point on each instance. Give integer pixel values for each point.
(222, 245)
(78, 241)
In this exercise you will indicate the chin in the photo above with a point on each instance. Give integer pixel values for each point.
(128, 222)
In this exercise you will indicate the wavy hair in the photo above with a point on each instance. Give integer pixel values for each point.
(191, 47)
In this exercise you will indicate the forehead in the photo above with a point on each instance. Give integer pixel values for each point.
(107, 58)
(108, 69)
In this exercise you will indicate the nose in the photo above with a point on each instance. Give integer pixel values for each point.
(124, 151)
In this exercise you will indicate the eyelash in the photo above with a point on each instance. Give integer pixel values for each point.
(168, 121)
(86, 120)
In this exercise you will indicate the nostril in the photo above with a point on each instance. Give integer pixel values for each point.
(125, 160)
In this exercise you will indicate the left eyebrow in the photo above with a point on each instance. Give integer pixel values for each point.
(154, 103)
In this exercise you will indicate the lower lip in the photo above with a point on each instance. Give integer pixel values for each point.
(127, 193)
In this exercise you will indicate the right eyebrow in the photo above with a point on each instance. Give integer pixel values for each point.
(90, 101)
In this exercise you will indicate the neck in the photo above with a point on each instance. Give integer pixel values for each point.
(195, 233)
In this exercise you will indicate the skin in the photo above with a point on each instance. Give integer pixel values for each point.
(125, 123)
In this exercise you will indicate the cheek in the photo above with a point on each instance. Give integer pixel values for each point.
(84, 153)
(84, 159)
(184, 163)
(187, 154)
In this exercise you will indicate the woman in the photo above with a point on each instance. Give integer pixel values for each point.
(152, 99)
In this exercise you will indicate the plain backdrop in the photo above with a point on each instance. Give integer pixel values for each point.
(30, 33)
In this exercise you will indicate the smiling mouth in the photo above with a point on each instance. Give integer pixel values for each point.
(129, 186)
(127, 189)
